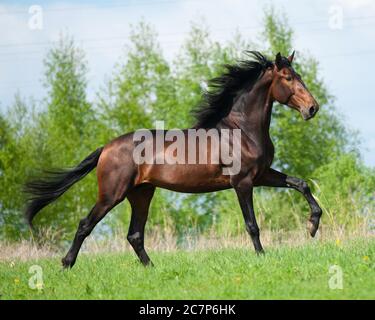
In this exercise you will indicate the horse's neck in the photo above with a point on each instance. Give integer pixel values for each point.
(252, 114)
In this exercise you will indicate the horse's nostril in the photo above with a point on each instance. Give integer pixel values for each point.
(312, 111)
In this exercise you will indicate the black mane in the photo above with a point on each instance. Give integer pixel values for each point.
(218, 101)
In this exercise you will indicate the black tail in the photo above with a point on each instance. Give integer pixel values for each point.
(48, 188)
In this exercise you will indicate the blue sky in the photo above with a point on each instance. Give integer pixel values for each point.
(345, 49)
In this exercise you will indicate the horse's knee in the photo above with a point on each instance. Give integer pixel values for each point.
(298, 184)
(304, 187)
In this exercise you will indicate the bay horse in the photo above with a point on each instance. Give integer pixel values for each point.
(241, 98)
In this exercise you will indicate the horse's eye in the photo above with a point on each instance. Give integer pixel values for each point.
(289, 78)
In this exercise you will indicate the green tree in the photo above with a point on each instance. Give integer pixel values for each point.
(15, 157)
(65, 133)
(141, 87)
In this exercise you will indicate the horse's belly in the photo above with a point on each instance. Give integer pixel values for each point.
(190, 178)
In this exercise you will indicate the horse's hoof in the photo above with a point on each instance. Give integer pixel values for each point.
(147, 264)
(313, 227)
(66, 264)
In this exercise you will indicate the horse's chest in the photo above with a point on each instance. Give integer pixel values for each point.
(258, 157)
(269, 154)
(263, 160)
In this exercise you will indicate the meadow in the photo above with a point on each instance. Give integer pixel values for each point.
(312, 270)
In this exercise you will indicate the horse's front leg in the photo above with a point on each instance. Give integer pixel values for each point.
(273, 178)
(244, 191)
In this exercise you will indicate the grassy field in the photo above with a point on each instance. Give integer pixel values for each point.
(283, 273)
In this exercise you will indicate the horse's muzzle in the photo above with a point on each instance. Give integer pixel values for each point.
(309, 112)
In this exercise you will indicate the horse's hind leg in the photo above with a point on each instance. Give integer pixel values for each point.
(86, 225)
(114, 183)
(140, 199)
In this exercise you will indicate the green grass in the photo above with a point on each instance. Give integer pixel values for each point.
(283, 273)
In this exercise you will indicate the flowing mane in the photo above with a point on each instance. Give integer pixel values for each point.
(218, 100)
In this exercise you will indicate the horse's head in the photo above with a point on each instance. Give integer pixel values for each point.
(288, 88)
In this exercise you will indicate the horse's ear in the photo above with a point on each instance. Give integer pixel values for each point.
(278, 61)
(291, 57)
